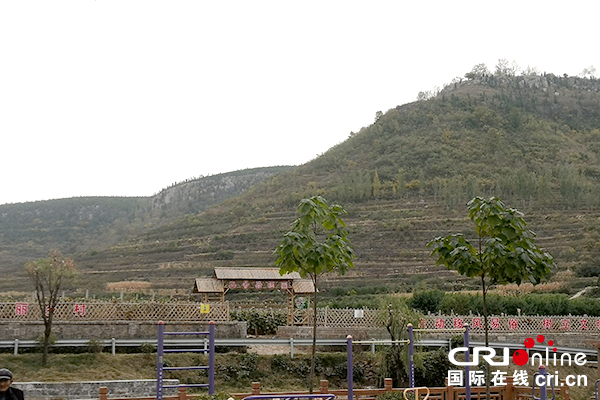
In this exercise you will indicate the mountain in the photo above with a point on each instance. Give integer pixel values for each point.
(29, 230)
(532, 140)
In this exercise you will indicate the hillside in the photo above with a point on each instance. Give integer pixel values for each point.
(29, 230)
(532, 140)
(405, 179)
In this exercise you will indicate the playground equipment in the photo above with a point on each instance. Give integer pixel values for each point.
(160, 368)
(411, 351)
(544, 387)
(350, 370)
(416, 390)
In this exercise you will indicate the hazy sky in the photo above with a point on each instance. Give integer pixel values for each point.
(123, 98)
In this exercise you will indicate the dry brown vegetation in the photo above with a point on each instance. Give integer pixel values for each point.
(128, 286)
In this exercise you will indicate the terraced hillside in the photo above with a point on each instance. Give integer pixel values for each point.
(389, 237)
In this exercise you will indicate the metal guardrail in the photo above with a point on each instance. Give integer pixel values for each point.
(292, 342)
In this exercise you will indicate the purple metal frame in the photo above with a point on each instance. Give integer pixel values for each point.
(160, 352)
(544, 387)
(411, 357)
(350, 369)
(467, 368)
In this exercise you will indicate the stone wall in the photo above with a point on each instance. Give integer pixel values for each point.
(90, 390)
(115, 329)
(332, 333)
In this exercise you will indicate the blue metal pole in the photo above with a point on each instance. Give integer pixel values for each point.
(350, 369)
(160, 360)
(411, 357)
(211, 358)
(467, 368)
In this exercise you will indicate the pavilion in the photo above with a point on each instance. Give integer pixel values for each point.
(252, 279)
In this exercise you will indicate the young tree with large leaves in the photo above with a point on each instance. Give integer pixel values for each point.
(49, 275)
(317, 244)
(502, 252)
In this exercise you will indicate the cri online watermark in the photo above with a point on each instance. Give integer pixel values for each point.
(520, 357)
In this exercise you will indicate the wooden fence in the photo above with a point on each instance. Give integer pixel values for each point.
(90, 310)
(349, 318)
(506, 392)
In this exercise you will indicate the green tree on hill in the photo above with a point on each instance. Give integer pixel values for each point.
(503, 251)
(317, 243)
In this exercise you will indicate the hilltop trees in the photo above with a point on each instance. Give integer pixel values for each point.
(478, 71)
(316, 244)
(49, 275)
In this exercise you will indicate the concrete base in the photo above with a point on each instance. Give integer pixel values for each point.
(114, 329)
(332, 333)
(90, 390)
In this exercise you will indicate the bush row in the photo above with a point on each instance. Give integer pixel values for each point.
(529, 304)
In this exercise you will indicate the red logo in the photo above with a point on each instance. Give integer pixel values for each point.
(520, 357)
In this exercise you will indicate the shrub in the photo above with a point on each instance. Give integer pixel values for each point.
(588, 269)
(433, 369)
(282, 363)
(94, 346)
(396, 395)
(530, 304)
(427, 300)
(147, 348)
(248, 366)
(261, 322)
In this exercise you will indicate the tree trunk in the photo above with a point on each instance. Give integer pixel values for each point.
(398, 378)
(314, 342)
(485, 322)
(46, 343)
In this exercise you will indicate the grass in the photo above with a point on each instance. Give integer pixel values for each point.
(235, 371)
(80, 367)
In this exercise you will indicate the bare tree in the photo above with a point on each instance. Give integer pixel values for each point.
(49, 275)
(506, 68)
(589, 72)
(531, 71)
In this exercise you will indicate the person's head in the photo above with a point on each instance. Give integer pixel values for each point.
(5, 379)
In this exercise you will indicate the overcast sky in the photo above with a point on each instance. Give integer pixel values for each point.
(124, 98)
